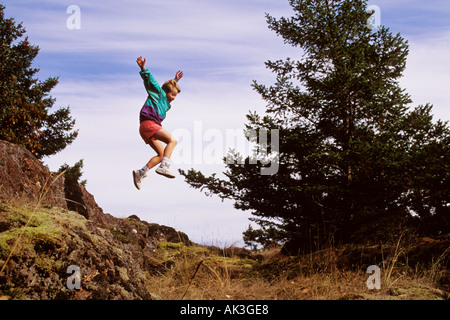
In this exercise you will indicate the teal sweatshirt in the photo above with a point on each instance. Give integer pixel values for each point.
(156, 105)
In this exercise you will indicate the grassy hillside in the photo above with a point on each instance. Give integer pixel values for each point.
(37, 244)
(214, 274)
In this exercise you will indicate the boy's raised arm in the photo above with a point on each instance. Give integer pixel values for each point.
(150, 83)
(178, 75)
(141, 63)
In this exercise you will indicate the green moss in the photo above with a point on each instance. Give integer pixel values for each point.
(11, 292)
(30, 240)
(134, 222)
(36, 230)
(47, 265)
(123, 272)
(247, 263)
(120, 236)
(170, 245)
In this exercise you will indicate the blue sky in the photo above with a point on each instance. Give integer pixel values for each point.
(221, 46)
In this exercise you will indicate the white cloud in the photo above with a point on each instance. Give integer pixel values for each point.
(220, 45)
(427, 73)
(107, 110)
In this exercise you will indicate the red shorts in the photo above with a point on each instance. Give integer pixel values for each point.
(147, 130)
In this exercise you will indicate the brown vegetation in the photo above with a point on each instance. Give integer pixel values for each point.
(407, 272)
(133, 259)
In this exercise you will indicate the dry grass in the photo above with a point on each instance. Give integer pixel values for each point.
(409, 271)
(196, 273)
(19, 201)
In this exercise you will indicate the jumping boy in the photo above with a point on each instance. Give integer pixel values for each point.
(152, 114)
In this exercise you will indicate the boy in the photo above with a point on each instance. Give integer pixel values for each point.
(152, 114)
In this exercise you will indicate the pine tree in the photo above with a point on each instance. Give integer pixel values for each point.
(355, 162)
(24, 100)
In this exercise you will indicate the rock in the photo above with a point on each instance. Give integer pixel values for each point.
(25, 178)
(64, 226)
(80, 200)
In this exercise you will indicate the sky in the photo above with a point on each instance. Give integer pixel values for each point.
(221, 46)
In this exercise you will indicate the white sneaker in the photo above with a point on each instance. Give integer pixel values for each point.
(138, 175)
(163, 170)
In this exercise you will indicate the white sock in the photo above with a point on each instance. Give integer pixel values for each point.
(165, 160)
(145, 169)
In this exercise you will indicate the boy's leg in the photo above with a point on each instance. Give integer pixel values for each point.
(159, 149)
(165, 137)
(138, 175)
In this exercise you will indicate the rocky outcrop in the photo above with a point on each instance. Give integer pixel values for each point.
(49, 223)
(22, 176)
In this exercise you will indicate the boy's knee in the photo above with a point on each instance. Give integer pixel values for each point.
(175, 142)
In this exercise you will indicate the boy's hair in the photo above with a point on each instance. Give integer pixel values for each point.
(170, 86)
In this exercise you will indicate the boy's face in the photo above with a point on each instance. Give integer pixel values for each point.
(171, 95)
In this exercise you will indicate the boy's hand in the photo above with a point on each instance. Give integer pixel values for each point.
(179, 75)
(141, 63)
